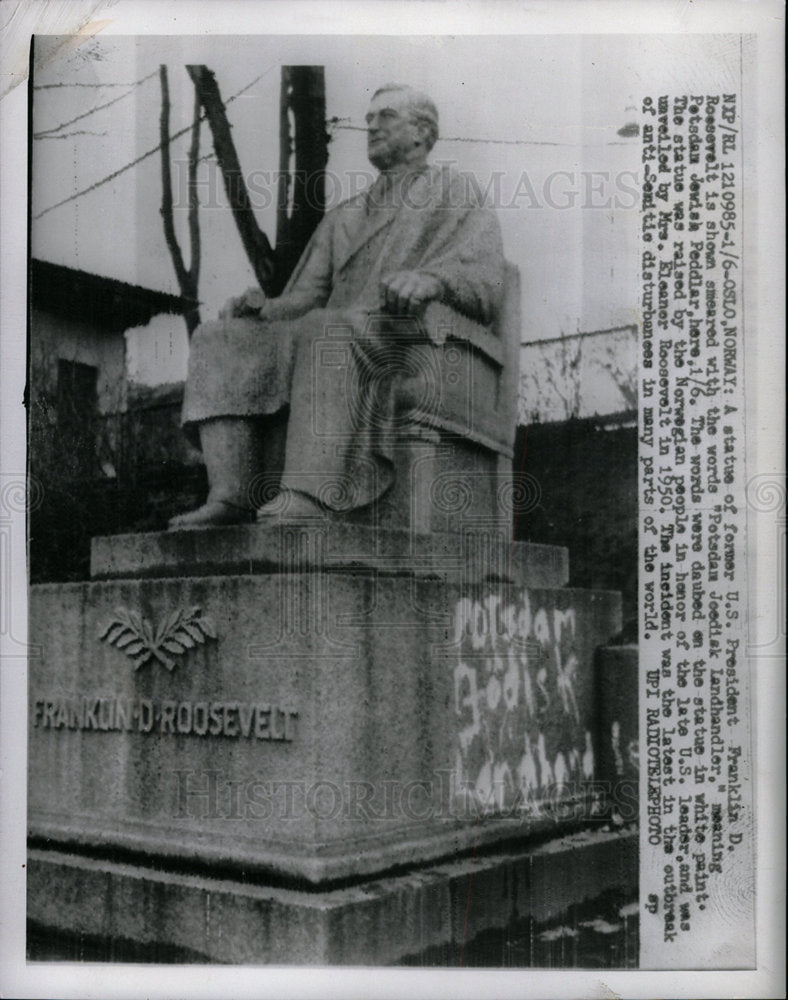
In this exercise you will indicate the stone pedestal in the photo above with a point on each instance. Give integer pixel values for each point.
(617, 748)
(311, 703)
(433, 914)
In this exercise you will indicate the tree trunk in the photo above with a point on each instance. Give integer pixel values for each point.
(303, 155)
(255, 242)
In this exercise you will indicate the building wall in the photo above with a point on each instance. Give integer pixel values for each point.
(583, 375)
(54, 338)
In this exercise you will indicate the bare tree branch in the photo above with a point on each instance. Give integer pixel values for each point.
(256, 244)
(166, 183)
(194, 201)
(187, 279)
(625, 377)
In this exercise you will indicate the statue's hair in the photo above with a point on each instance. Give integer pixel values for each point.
(422, 108)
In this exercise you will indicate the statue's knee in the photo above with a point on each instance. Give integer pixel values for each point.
(210, 330)
(208, 340)
(306, 335)
(203, 335)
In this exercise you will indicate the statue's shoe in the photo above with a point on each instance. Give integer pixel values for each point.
(293, 507)
(212, 514)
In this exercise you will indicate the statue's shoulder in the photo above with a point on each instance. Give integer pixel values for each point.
(457, 188)
(351, 204)
(441, 186)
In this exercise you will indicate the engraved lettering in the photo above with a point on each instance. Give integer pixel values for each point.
(167, 723)
(237, 720)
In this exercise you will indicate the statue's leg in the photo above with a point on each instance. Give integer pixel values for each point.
(317, 426)
(235, 390)
(232, 448)
(337, 395)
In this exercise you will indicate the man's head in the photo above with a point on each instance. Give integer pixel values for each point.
(402, 127)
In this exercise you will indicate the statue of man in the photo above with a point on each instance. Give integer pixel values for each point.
(420, 234)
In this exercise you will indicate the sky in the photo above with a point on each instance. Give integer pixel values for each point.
(535, 118)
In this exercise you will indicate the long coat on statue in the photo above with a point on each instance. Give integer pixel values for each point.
(327, 351)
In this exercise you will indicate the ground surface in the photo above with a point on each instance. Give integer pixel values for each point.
(598, 934)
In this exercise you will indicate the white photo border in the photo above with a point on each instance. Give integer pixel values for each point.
(765, 18)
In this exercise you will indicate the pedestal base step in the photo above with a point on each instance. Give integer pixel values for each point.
(469, 555)
(439, 910)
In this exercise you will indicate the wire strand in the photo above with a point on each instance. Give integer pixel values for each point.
(332, 123)
(69, 135)
(55, 86)
(139, 159)
(99, 107)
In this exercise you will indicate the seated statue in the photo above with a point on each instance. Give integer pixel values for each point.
(419, 236)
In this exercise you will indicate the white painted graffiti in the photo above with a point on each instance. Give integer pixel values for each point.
(633, 756)
(520, 726)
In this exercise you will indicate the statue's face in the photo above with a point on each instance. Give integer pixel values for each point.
(393, 137)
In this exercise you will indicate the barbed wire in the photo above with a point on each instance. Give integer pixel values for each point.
(333, 123)
(44, 133)
(69, 135)
(335, 126)
(144, 156)
(55, 86)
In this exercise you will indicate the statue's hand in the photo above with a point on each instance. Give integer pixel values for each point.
(406, 293)
(251, 303)
(228, 310)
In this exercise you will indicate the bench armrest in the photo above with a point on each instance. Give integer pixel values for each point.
(442, 323)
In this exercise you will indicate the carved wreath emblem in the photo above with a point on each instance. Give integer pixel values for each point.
(135, 636)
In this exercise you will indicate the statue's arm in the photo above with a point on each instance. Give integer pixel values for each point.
(308, 288)
(470, 267)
